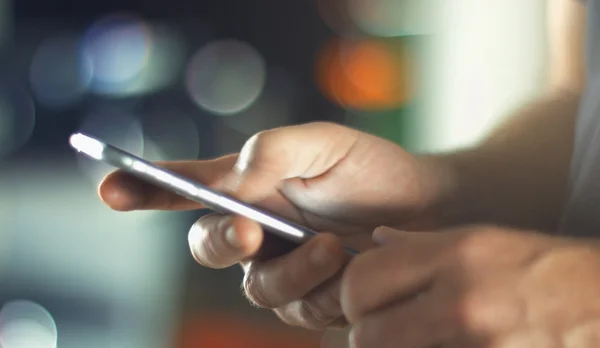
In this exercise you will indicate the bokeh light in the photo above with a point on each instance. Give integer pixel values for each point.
(169, 135)
(389, 18)
(17, 119)
(118, 47)
(59, 74)
(226, 77)
(25, 324)
(274, 108)
(366, 74)
(165, 62)
(156, 60)
(114, 126)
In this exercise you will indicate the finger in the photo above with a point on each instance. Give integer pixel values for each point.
(317, 310)
(385, 235)
(422, 322)
(123, 192)
(290, 277)
(532, 338)
(390, 273)
(303, 151)
(219, 241)
(333, 338)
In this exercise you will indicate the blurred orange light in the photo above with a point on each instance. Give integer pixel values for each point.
(368, 74)
(229, 331)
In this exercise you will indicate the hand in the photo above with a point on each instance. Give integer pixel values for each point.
(474, 287)
(325, 176)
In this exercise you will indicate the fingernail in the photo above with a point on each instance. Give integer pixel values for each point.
(320, 255)
(194, 236)
(232, 237)
(381, 235)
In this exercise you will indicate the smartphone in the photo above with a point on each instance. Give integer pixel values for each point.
(284, 235)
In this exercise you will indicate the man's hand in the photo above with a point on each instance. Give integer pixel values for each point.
(325, 176)
(474, 287)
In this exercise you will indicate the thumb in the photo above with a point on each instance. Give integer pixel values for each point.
(303, 151)
(386, 235)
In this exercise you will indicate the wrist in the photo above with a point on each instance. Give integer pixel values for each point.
(447, 186)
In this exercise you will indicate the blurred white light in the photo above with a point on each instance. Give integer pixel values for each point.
(274, 108)
(169, 135)
(17, 120)
(59, 73)
(491, 53)
(24, 324)
(114, 127)
(132, 57)
(389, 18)
(87, 145)
(118, 48)
(226, 77)
(165, 62)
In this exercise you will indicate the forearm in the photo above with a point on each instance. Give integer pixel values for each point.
(518, 175)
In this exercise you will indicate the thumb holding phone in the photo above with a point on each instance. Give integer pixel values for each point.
(325, 176)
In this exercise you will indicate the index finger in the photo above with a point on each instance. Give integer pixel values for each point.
(392, 272)
(123, 192)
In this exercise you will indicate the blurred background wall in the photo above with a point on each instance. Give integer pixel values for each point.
(488, 57)
(178, 79)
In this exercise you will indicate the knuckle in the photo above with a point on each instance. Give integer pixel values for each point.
(478, 311)
(260, 151)
(259, 140)
(332, 251)
(469, 311)
(314, 315)
(255, 290)
(476, 245)
(490, 310)
(329, 299)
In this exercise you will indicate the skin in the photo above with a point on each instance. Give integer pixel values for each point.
(346, 184)
(478, 286)
(314, 174)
